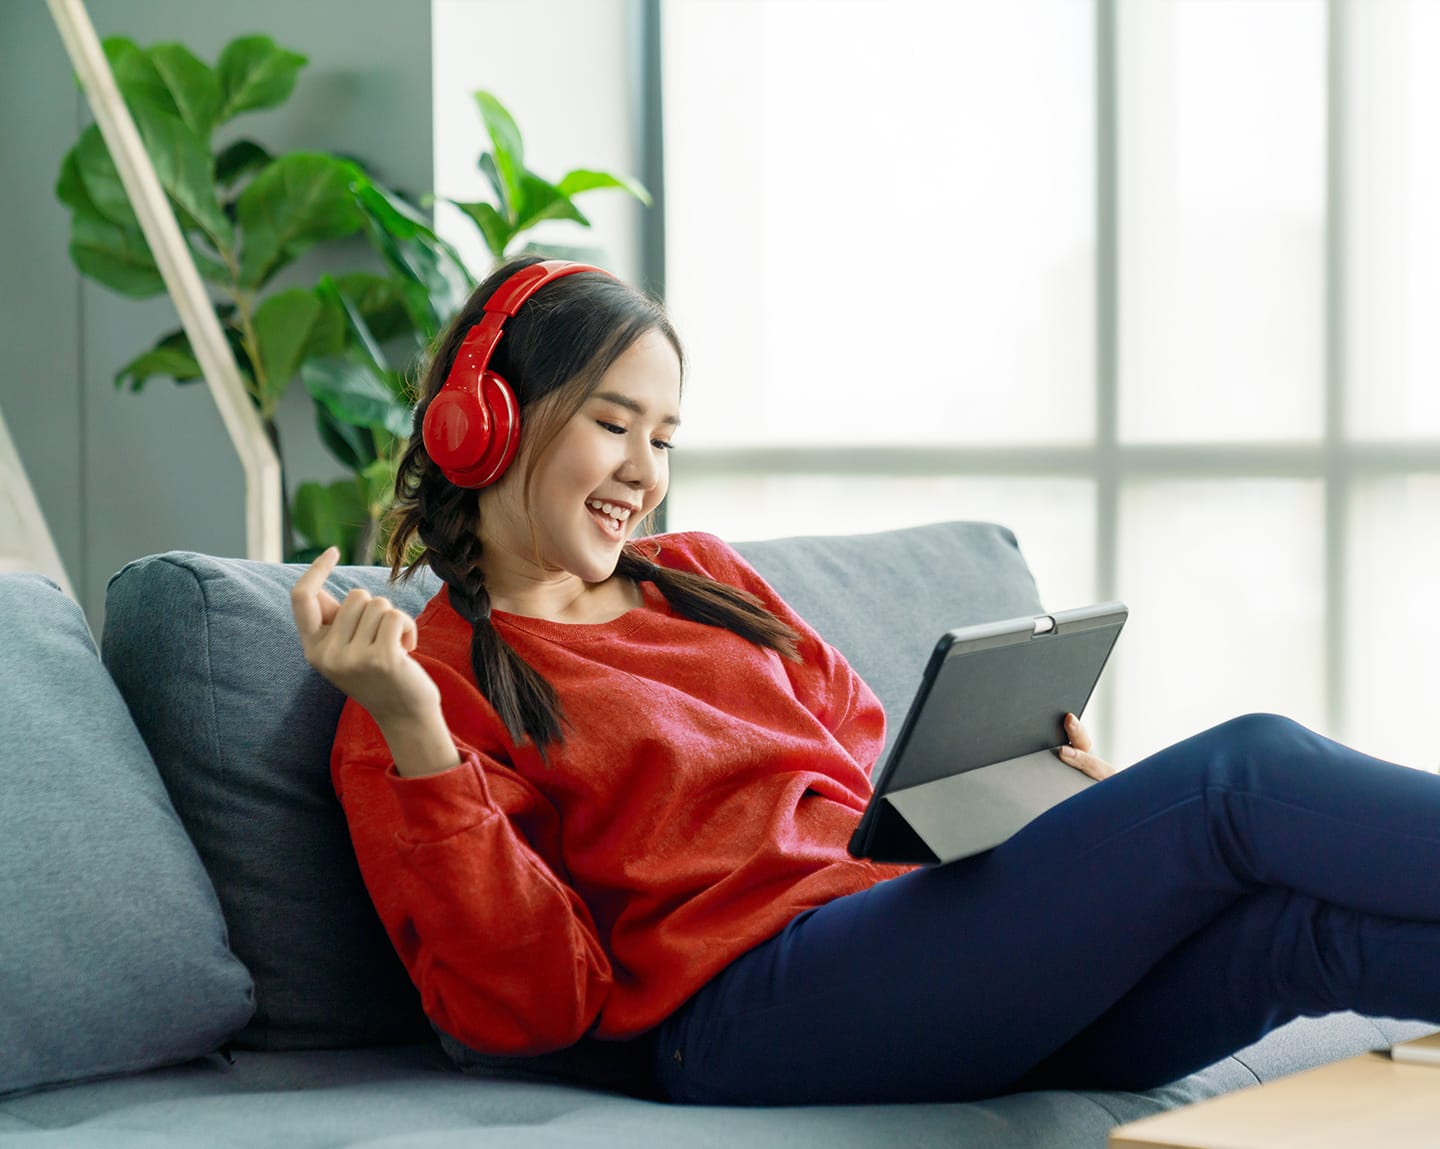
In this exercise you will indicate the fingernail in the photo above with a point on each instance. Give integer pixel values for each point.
(1067, 752)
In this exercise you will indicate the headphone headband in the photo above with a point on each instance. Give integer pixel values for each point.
(511, 295)
(472, 426)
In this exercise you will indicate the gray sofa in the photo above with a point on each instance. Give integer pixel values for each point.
(188, 957)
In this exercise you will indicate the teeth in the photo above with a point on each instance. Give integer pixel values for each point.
(619, 513)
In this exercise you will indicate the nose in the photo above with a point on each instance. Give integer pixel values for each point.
(644, 466)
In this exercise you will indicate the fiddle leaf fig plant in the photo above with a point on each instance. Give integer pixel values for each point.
(355, 337)
(247, 215)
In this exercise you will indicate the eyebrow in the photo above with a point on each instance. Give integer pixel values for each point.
(632, 405)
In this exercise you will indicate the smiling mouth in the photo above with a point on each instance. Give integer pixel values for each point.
(610, 516)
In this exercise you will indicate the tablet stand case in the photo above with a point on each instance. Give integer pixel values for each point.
(975, 760)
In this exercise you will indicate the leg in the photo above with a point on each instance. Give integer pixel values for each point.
(953, 983)
(1269, 958)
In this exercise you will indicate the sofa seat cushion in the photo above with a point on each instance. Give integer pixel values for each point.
(410, 1098)
(113, 954)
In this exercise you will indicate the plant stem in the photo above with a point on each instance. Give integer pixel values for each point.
(287, 531)
(243, 301)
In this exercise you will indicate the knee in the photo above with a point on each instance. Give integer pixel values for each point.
(1260, 729)
(1266, 742)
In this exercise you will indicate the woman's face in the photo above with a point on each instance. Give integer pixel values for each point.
(601, 475)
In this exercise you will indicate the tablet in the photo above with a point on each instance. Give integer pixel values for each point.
(975, 760)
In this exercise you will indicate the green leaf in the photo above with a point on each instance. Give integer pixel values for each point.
(296, 202)
(186, 170)
(255, 72)
(175, 358)
(438, 285)
(487, 165)
(211, 270)
(509, 148)
(542, 200)
(330, 515)
(353, 394)
(353, 446)
(418, 257)
(238, 160)
(117, 257)
(404, 258)
(379, 480)
(137, 77)
(389, 209)
(70, 188)
(581, 180)
(494, 228)
(426, 317)
(181, 161)
(101, 179)
(291, 327)
(380, 301)
(167, 359)
(355, 323)
(193, 87)
(404, 238)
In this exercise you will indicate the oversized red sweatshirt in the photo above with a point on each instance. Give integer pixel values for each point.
(703, 796)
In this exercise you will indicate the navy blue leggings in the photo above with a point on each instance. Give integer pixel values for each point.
(1139, 931)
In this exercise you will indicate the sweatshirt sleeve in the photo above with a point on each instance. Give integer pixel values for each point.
(823, 681)
(463, 868)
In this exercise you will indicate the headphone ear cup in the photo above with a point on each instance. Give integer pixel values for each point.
(503, 438)
(472, 430)
(456, 429)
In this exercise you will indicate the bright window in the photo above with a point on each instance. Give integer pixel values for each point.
(1152, 282)
(880, 220)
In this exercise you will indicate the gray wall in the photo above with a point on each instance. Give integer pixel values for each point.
(120, 475)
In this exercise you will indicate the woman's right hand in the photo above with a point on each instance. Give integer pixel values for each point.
(362, 646)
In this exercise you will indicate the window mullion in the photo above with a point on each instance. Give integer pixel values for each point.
(1338, 473)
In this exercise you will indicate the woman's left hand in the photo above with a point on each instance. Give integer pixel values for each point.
(1080, 753)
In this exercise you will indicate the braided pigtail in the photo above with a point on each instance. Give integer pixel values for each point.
(702, 599)
(444, 520)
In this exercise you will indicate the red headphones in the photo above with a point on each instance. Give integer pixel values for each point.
(472, 427)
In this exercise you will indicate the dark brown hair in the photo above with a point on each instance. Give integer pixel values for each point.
(557, 346)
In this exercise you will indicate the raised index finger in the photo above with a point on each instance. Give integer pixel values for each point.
(308, 593)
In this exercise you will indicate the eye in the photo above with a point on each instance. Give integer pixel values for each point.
(613, 428)
(663, 444)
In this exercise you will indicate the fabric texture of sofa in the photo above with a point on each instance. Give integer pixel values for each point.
(188, 954)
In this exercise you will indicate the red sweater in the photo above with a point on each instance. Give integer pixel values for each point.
(703, 796)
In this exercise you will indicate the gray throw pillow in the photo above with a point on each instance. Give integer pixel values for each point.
(113, 955)
(206, 654)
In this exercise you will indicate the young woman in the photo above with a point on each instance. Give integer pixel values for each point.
(601, 789)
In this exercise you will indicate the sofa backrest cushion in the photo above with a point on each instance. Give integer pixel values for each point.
(205, 652)
(113, 953)
(884, 599)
